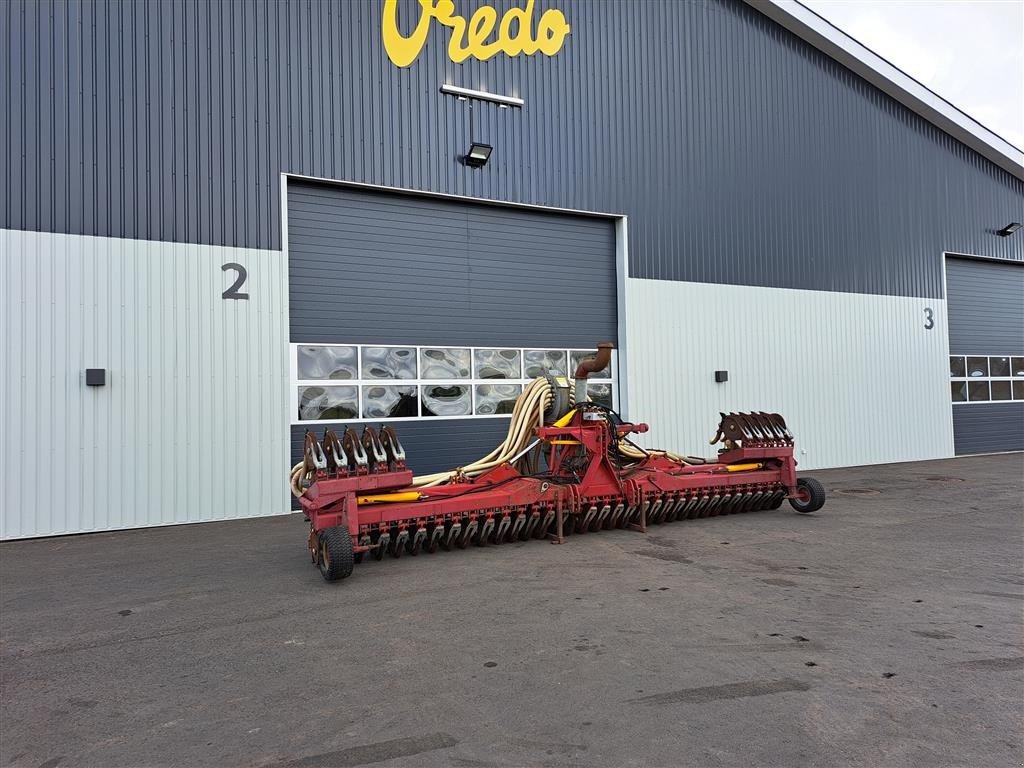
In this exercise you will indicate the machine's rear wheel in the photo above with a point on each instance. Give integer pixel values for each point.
(335, 558)
(810, 495)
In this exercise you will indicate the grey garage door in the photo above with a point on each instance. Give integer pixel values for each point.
(985, 301)
(372, 267)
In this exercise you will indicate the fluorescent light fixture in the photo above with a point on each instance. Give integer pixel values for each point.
(468, 93)
(1009, 229)
(478, 155)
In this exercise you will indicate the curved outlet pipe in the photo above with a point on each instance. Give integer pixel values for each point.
(591, 365)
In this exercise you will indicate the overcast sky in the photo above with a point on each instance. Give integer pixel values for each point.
(970, 52)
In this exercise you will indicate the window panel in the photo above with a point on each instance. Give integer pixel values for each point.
(389, 362)
(999, 366)
(327, 363)
(977, 366)
(576, 356)
(494, 399)
(977, 390)
(446, 400)
(957, 368)
(1001, 390)
(958, 391)
(600, 393)
(392, 382)
(328, 403)
(1017, 366)
(538, 362)
(1018, 390)
(497, 364)
(444, 363)
(382, 402)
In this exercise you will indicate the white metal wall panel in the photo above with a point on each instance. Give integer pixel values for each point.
(858, 377)
(192, 424)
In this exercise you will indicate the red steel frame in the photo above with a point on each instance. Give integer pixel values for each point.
(492, 498)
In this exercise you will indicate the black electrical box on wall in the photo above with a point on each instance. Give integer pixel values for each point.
(95, 377)
(721, 376)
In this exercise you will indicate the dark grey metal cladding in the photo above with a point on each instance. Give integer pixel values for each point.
(383, 268)
(741, 153)
(988, 427)
(985, 304)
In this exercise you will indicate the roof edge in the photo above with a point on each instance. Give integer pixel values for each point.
(891, 80)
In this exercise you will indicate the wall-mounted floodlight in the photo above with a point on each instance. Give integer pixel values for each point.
(478, 155)
(469, 93)
(1009, 229)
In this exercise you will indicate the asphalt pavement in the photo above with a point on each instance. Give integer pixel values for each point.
(885, 630)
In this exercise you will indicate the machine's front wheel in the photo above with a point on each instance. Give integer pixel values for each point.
(335, 558)
(810, 495)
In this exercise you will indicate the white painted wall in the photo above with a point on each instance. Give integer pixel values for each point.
(858, 377)
(193, 422)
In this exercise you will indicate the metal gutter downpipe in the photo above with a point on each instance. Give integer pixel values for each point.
(591, 365)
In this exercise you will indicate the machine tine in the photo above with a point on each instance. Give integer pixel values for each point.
(314, 453)
(337, 461)
(751, 426)
(399, 543)
(354, 450)
(781, 424)
(451, 536)
(374, 449)
(502, 529)
(383, 542)
(468, 533)
(547, 520)
(485, 531)
(434, 535)
(392, 448)
(518, 525)
(712, 509)
(770, 426)
(416, 541)
(532, 521)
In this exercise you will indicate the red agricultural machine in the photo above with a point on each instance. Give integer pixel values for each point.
(567, 466)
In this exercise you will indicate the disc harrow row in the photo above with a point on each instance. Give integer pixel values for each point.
(580, 474)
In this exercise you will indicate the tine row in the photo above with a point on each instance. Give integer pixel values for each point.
(354, 453)
(758, 428)
(413, 536)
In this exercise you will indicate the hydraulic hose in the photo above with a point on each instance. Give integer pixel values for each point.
(527, 413)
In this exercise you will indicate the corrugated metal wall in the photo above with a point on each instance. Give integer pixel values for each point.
(192, 424)
(741, 154)
(859, 378)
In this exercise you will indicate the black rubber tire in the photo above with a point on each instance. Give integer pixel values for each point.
(335, 558)
(815, 495)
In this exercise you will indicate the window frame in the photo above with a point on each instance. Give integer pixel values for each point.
(987, 379)
(296, 384)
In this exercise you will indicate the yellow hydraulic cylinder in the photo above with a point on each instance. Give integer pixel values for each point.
(381, 498)
(742, 467)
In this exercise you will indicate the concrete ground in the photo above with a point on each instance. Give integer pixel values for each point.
(885, 630)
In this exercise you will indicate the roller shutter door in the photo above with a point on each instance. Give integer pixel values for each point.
(985, 302)
(369, 267)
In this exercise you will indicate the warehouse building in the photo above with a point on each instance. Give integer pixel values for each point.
(224, 224)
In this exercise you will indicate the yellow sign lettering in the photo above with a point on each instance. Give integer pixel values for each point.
(472, 38)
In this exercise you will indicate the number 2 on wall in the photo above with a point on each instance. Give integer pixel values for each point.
(929, 319)
(233, 292)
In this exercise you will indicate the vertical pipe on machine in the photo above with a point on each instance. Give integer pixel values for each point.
(591, 365)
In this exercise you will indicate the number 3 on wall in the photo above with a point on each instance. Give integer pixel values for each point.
(234, 291)
(929, 319)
